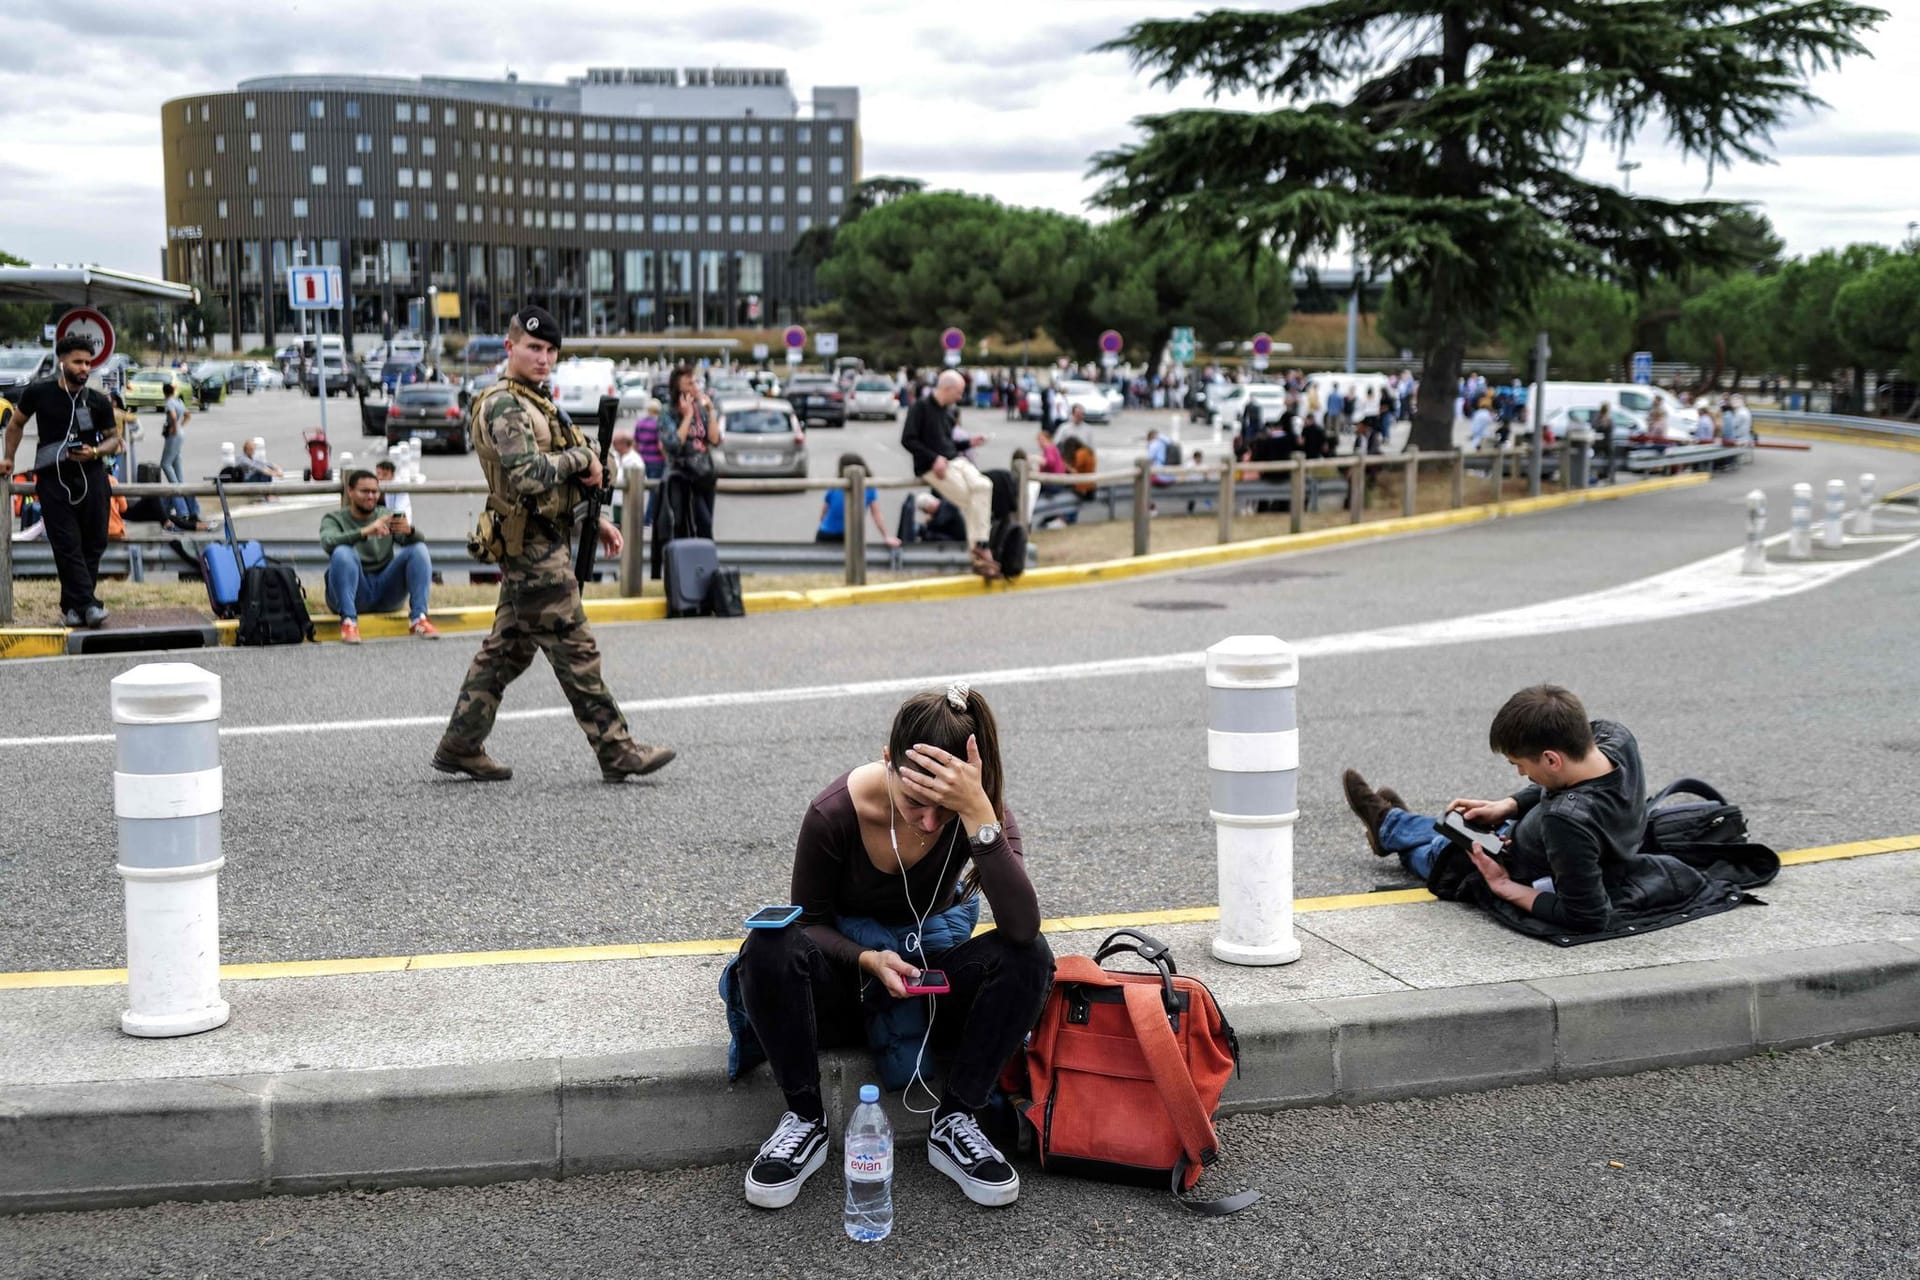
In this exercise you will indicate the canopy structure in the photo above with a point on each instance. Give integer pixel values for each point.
(89, 286)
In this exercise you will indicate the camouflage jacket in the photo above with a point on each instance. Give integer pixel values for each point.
(528, 453)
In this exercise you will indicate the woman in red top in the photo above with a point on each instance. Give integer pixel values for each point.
(888, 842)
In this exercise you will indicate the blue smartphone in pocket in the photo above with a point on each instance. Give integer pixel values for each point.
(773, 917)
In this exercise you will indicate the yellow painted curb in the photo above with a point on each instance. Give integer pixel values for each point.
(51, 642)
(61, 978)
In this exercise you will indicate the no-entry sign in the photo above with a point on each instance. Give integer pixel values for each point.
(1262, 344)
(87, 323)
(1110, 342)
(796, 337)
(953, 340)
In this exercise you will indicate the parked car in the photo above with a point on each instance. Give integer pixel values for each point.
(342, 378)
(149, 388)
(265, 376)
(875, 398)
(765, 382)
(730, 384)
(431, 413)
(1227, 408)
(578, 384)
(401, 369)
(759, 438)
(1626, 424)
(483, 349)
(21, 365)
(816, 396)
(1089, 397)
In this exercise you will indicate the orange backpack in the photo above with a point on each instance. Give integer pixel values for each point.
(1124, 1071)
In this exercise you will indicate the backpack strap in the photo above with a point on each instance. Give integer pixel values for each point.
(1688, 786)
(1198, 1142)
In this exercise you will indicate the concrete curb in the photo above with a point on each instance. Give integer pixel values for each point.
(119, 1143)
(46, 642)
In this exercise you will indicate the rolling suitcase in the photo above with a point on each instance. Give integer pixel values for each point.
(691, 564)
(224, 564)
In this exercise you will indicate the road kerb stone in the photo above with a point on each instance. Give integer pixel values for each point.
(1639, 1019)
(1827, 993)
(661, 1109)
(1405, 1043)
(1286, 1058)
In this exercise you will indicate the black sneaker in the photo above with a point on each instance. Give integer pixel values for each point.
(793, 1154)
(71, 618)
(957, 1148)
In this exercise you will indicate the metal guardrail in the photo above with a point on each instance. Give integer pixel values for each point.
(1838, 422)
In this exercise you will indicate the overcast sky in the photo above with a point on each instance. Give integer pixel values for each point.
(990, 96)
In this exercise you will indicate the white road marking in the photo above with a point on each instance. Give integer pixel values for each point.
(1705, 586)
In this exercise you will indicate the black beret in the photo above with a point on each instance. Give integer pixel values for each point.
(538, 322)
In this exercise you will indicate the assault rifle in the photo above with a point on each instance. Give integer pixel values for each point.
(596, 498)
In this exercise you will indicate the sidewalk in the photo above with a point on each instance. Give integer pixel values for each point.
(513, 1066)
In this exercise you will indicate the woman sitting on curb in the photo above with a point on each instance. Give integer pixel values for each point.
(877, 875)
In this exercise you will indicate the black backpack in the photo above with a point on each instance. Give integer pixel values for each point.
(273, 606)
(152, 506)
(1709, 820)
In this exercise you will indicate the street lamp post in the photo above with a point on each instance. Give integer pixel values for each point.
(1626, 169)
(433, 313)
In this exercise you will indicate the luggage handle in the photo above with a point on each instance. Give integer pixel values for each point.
(1688, 786)
(1155, 953)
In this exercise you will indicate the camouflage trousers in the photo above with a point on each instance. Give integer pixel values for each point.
(540, 610)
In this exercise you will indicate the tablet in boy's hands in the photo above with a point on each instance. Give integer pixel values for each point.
(1455, 828)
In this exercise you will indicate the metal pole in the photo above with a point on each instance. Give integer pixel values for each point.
(1863, 514)
(1253, 766)
(1226, 500)
(1353, 319)
(167, 797)
(6, 552)
(1538, 402)
(1409, 499)
(1297, 496)
(856, 522)
(1754, 559)
(1800, 540)
(1835, 531)
(1023, 491)
(633, 510)
(1356, 488)
(1142, 505)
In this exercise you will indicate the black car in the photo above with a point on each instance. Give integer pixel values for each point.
(342, 379)
(430, 413)
(817, 397)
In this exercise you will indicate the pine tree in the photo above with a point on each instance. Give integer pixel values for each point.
(1438, 140)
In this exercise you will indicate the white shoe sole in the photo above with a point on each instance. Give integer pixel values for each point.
(779, 1197)
(992, 1197)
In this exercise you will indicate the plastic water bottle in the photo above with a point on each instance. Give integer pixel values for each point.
(869, 1147)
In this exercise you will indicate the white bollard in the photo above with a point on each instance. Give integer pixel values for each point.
(260, 449)
(167, 788)
(1174, 422)
(1863, 514)
(226, 453)
(1800, 540)
(1835, 533)
(1253, 761)
(1754, 560)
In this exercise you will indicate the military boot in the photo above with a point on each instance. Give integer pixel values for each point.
(635, 760)
(474, 762)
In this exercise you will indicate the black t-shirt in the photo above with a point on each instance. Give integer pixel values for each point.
(54, 410)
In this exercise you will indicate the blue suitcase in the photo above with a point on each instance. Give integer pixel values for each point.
(224, 564)
(691, 564)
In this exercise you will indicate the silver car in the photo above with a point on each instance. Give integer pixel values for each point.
(759, 439)
(874, 397)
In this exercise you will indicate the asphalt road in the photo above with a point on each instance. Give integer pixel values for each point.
(345, 843)
(1789, 1165)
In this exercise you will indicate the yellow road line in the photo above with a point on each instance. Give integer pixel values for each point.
(24, 642)
(727, 946)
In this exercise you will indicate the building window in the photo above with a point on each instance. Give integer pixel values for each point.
(296, 142)
(753, 133)
(713, 195)
(420, 113)
(317, 175)
(365, 208)
(736, 195)
(223, 210)
(401, 209)
(736, 164)
(803, 134)
(250, 112)
(736, 133)
(737, 223)
(299, 207)
(193, 179)
(253, 142)
(399, 144)
(835, 164)
(803, 164)
(713, 164)
(803, 195)
(206, 112)
(776, 164)
(776, 134)
(836, 135)
(754, 224)
(776, 195)
(479, 119)
(353, 175)
(259, 207)
(363, 144)
(403, 112)
(453, 180)
(753, 164)
(316, 108)
(778, 222)
(753, 195)
(206, 176)
(835, 195)
(426, 146)
(220, 144)
(459, 213)
(353, 109)
(802, 223)
(403, 177)
(432, 211)
(253, 176)
(447, 117)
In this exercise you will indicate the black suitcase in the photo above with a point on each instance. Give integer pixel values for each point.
(690, 564)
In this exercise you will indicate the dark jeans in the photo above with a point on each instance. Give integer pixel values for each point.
(73, 502)
(799, 1001)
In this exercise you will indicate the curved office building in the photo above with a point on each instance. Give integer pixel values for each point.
(644, 200)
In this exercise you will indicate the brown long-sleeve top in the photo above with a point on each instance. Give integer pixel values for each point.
(834, 877)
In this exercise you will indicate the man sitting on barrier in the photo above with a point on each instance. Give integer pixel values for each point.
(376, 557)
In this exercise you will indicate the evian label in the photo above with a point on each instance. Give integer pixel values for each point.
(870, 1165)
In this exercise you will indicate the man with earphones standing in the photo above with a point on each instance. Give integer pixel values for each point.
(77, 430)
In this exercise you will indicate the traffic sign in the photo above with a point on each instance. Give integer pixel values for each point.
(796, 337)
(953, 359)
(1262, 345)
(826, 344)
(90, 324)
(759, 351)
(1643, 368)
(953, 340)
(1110, 342)
(1181, 347)
(314, 288)
(793, 355)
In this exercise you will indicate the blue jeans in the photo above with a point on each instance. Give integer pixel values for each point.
(1413, 838)
(350, 588)
(186, 508)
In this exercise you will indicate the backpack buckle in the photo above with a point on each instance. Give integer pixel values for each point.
(1079, 1008)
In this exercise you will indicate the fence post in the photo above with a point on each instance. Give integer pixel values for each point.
(1863, 515)
(1409, 500)
(1023, 492)
(1356, 488)
(1142, 505)
(1566, 462)
(856, 523)
(1834, 534)
(1459, 496)
(1226, 500)
(1253, 766)
(1753, 560)
(1297, 496)
(1800, 540)
(6, 552)
(167, 796)
(1497, 474)
(633, 523)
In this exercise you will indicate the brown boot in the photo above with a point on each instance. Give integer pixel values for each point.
(637, 761)
(475, 763)
(984, 564)
(1369, 806)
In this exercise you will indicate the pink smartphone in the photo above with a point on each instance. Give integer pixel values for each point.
(928, 982)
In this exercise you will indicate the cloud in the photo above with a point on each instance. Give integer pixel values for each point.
(1839, 145)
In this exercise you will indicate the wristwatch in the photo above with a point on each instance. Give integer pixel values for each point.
(986, 835)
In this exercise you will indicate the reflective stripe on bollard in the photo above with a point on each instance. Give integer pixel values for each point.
(1253, 764)
(1834, 533)
(167, 796)
(1754, 560)
(1800, 540)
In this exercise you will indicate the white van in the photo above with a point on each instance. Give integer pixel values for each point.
(578, 384)
(1637, 398)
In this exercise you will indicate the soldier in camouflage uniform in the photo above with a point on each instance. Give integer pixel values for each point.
(536, 465)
